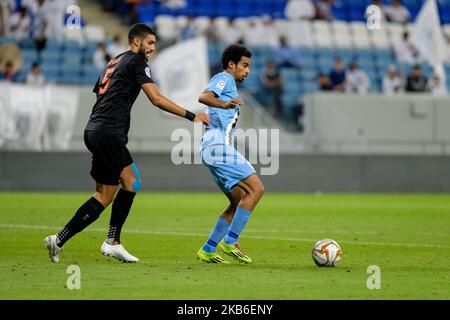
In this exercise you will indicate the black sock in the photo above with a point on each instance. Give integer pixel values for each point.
(120, 209)
(86, 214)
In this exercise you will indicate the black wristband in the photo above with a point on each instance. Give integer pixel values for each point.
(189, 115)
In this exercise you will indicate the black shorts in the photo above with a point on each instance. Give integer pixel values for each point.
(109, 156)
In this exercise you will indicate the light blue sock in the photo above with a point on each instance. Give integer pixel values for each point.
(217, 234)
(237, 225)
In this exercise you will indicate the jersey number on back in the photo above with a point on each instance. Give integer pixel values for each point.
(105, 81)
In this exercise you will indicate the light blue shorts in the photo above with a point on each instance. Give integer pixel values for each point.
(227, 166)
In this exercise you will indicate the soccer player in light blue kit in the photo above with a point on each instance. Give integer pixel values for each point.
(234, 175)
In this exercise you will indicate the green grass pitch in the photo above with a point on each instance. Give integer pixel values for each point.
(407, 236)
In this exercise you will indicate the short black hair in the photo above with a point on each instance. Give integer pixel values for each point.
(234, 52)
(140, 30)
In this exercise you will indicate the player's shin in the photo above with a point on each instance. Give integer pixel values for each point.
(217, 234)
(85, 215)
(237, 225)
(120, 209)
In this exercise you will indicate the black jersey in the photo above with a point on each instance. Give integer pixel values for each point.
(117, 89)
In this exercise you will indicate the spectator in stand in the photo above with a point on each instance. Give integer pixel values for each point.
(19, 25)
(116, 47)
(393, 83)
(397, 12)
(100, 57)
(437, 87)
(273, 84)
(57, 17)
(34, 77)
(40, 24)
(231, 34)
(357, 80)
(7, 8)
(286, 56)
(416, 81)
(300, 10)
(270, 32)
(324, 82)
(254, 35)
(188, 31)
(405, 51)
(337, 76)
(211, 33)
(8, 74)
(323, 10)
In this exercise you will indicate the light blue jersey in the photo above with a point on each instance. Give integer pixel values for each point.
(222, 121)
(227, 166)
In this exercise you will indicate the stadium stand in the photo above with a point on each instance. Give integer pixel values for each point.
(317, 42)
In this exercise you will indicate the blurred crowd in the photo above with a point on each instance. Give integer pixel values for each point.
(39, 20)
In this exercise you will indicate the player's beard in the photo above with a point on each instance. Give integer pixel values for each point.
(142, 51)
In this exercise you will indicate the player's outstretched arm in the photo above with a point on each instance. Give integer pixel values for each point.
(158, 100)
(209, 98)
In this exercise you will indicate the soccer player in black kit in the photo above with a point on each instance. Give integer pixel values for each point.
(106, 137)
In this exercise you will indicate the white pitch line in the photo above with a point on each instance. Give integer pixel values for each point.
(193, 234)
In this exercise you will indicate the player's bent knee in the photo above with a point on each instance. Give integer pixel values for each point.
(258, 191)
(136, 185)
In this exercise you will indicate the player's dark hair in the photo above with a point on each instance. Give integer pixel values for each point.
(139, 30)
(234, 52)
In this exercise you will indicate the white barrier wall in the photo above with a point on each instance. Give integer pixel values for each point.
(404, 124)
(54, 117)
(36, 117)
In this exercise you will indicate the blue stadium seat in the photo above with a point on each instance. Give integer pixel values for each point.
(345, 54)
(309, 75)
(325, 53)
(72, 59)
(90, 74)
(49, 67)
(27, 43)
(325, 65)
(356, 13)
(22, 75)
(30, 55)
(366, 53)
(290, 74)
(51, 55)
(71, 77)
(310, 86)
(340, 10)
(52, 44)
(146, 14)
(4, 40)
(71, 45)
(252, 82)
(292, 88)
(307, 61)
